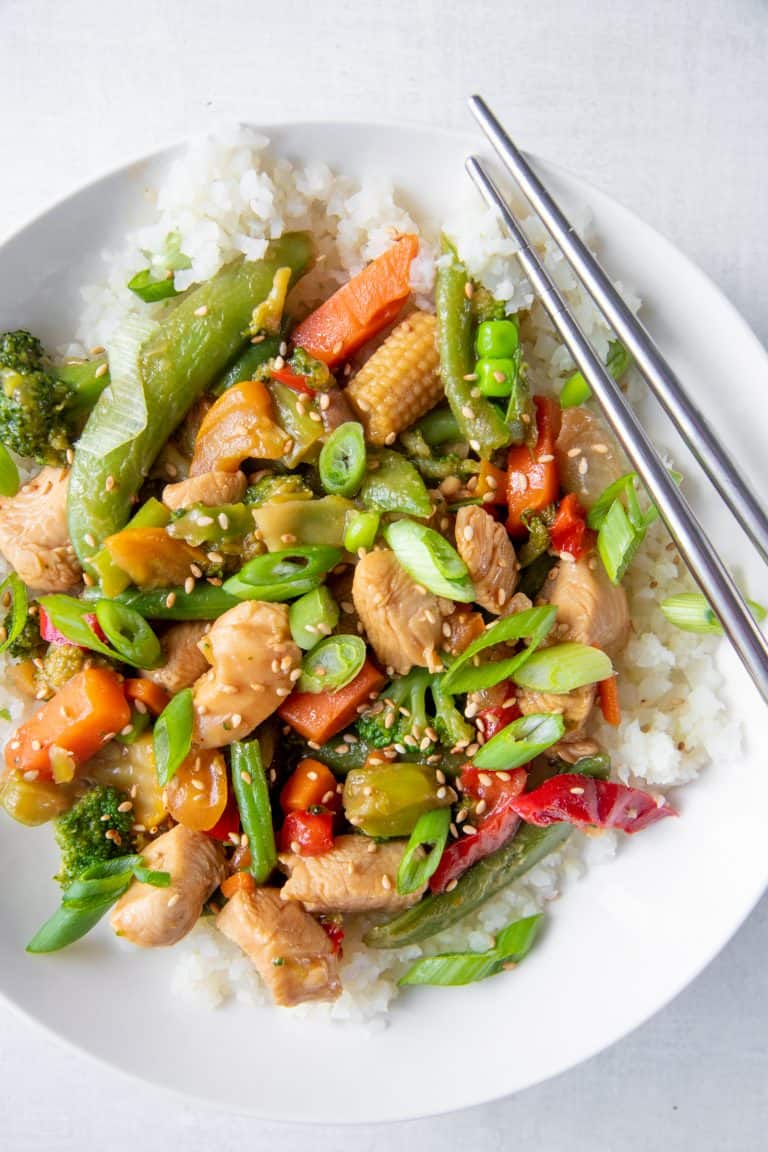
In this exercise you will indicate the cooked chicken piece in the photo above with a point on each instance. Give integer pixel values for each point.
(252, 656)
(209, 488)
(34, 537)
(572, 750)
(590, 609)
(357, 875)
(289, 949)
(155, 917)
(489, 555)
(403, 621)
(465, 627)
(574, 707)
(183, 662)
(587, 458)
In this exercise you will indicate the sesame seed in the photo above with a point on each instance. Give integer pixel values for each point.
(101, 371)
(97, 350)
(471, 377)
(246, 777)
(469, 532)
(126, 731)
(171, 470)
(316, 417)
(90, 539)
(173, 901)
(545, 458)
(469, 289)
(386, 883)
(325, 402)
(202, 310)
(451, 885)
(205, 521)
(196, 571)
(126, 806)
(573, 453)
(223, 520)
(236, 719)
(600, 448)
(288, 538)
(474, 445)
(170, 600)
(390, 438)
(467, 412)
(109, 483)
(215, 557)
(469, 830)
(441, 793)
(576, 791)
(36, 745)
(499, 377)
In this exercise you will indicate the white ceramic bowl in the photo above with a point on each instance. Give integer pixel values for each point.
(619, 945)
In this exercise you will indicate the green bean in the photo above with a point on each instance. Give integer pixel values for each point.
(483, 880)
(175, 364)
(248, 363)
(485, 430)
(342, 460)
(332, 664)
(249, 783)
(205, 602)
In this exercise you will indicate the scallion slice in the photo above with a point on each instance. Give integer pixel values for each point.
(691, 612)
(283, 575)
(617, 541)
(172, 736)
(332, 664)
(451, 969)
(562, 668)
(533, 624)
(430, 560)
(521, 741)
(431, 830)
(16, 615)
(129, 634)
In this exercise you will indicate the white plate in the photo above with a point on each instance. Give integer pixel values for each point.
(622, 942)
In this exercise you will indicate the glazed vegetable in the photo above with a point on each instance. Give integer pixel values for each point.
(534, 624)
(532, 481)
(435, 913)
(691, 612)
(320, 521)
(172, 735)
(151, 558)
(33, 419)
(152, 695)
(386, 800)
(246, 366)
(197, 793)
(307, 833)
(562, 668)
(361, 530)
(404, 716)
(88, 711)
(431, 831)
(587, 802)
(608, 697)
(312, 616)
(493, 831)
(299, 420)
(222, 528)
(9, 473)
(392, 484)
(480, 423)
(400, 382)
(160, 377)
(332, 664)
(13, 590)
(520, 741)
(283, 575)
(361, 307)
(205, 602)
(240, 425)
(430, 560)
(112, 578)
(275, 488)
(249, 782)
(569, 532)
(576, 391)
(342, 460)
(318, 716)
(452, 969)
(96, 828)
(310, 785)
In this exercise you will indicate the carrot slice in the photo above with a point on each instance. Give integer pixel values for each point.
(89, 710)
(238, 882)
(320, 715)
(361, 307)
(147, 692)
(310, 785)
(608, 695)
(491, 484)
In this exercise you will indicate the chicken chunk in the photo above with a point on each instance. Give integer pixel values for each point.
(289, 950)
(489, 555)
(572, 750)
(209, 488)
(587, 458)
(590, 609)
(34, 537)
(357, 875)
(402, 620)
(183, 662)
(574, 707)
(156, 917)
(252, 658)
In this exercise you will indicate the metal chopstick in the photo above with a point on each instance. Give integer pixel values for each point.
(697, 551)
(662, 380)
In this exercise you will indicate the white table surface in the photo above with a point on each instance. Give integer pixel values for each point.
(663, 104)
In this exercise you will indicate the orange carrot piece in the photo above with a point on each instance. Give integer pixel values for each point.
(608, 695)
(239, 425)
(320, 715)
(310, 785)
(238, 882)
(491, 484)
(147, 692)
(89, 710)
(361, 307)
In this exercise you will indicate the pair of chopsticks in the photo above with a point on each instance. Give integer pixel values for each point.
(693, 544)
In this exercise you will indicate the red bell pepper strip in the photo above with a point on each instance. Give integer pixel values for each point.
(569, 532)
(461, 854)
(307, 833)
(292, 380)
(228, 824)
(334, 930)
(589, 803)
(608, 696)
(490, 721)
(532, 480)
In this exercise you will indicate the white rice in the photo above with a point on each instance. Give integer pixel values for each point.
(227, 196)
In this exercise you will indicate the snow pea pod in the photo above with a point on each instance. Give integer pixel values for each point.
(187, 350)
(484, 879)
(205, 602)
(485, 430)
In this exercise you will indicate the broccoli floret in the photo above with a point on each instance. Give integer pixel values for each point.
(33, 402)
(60, 663)
(92, 831)
(317, 373)
(276, 487)
(386, 724)
(28, 642)
(450, 725)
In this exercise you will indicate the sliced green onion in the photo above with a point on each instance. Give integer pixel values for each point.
(617, 541)
(156, 282)
(533, 624)
(129, 634)
(149, 288)
(152, 876)
(342, 460)
(430, 560)
(70, 924)
(283, 575)
(16, 614)
(249, 783)
(431, 830)
(313, 616)
(562, 668)
(74, 619)
(451, 969)
(601, 507)
(172, 735)
(9, 473)
(361, 530)
(691, 612)
(332, 664)
(522, 740)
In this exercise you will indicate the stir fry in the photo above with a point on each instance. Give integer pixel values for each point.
(314, 615)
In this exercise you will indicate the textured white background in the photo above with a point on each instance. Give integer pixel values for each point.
(663, 104)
